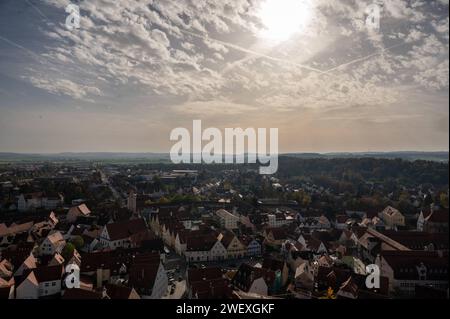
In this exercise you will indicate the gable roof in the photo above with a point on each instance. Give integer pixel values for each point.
(273, 264)
(226, 238)
(210, 273)
(211, 289)
(200, 243)
(419, 240)
(126, 229)
(82, 210)
(121, 292)
(49, 273)
(6, 269)
(406, 264)
(277, 233)
(349, 287)
(14, 229)
(222, 213)
(389, 210)
(30, 277)
(247, 274)
(143, 271)
(55, 237)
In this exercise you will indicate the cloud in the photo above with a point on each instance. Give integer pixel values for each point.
(214, 108)
(207, 58)
(65, 87)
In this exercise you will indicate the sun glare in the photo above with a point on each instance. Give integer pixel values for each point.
(283, 18)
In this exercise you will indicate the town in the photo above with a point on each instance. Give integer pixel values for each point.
(152, 231)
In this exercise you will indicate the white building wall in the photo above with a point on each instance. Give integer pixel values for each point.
(259, 287)
(49, 288)
(27, 290)
(161, 284)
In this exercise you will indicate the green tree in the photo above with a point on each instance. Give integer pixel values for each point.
(67, 251)
(78, 242)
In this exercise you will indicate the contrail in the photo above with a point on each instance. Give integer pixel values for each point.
(36, 56)
(38, 10)
(363, 58)
(259, 54)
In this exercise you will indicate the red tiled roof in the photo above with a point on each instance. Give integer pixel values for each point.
(49, 273)
(122, 230)
(405, 264)
(204, 274)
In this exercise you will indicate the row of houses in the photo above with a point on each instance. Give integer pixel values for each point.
(199, 242)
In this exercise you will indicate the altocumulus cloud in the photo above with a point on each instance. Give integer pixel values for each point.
(207, 57)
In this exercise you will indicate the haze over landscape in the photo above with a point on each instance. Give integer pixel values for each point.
(135, 70)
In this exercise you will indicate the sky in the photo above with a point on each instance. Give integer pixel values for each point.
(135, 70)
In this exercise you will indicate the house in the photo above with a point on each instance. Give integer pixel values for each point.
(341, 222)
(316, 246)
(277, 266)
(8, 234)
(53, 243)
(207, 283)
(170, 231)
(408, 269)
(106, 266)
(77, 211)
(280, 217)
(28, 264)
(204, 248)
(348, 238)
(253, 247)
(27, 202)
(304, 277)
(227, 220)
(53, 202)
(392, 218)
(374, 223)
(352, 285)
(235, 249)
(297, 254)
(415, 240)
(275, 236)
(433, 221)
(6, 269)
(348, 290)
(312, 223)
(27, 287)
(49, 279)
(56, 260)
(73, 258)
(52, 219)
(373, 242)
(254, 280)
(165, 215)
(148, 276)
(180, 241)
(116, 235)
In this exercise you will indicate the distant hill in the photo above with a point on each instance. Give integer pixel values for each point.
(409, 156)
(100, 156)
(164, 157)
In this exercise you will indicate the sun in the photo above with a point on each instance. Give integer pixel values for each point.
(284, 18)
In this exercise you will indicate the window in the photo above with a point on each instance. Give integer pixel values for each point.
(53, 284)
